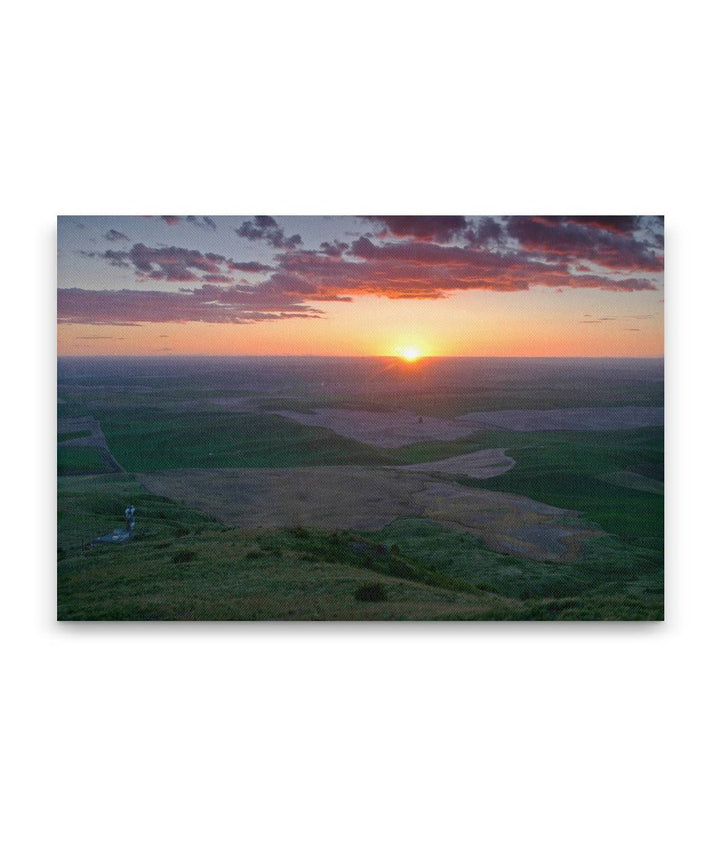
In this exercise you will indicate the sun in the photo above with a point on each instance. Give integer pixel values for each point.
(409, 353)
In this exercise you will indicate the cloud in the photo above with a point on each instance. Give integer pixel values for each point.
(114, 235)
(177, 264)
(248, 267)
(486, 230)
(422, 228)
(460, 268)
(202, 222)
(336, 248)
(501, 255)
(217, 278)
(621, 225)
(264, 228)
(208, 303)
(561, 237)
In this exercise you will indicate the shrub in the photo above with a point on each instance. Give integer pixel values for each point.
(300, 532)
(372, 592)
(184, 556)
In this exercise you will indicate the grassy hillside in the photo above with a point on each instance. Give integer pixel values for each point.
(609, 567)
(89, 506)
(181, 565)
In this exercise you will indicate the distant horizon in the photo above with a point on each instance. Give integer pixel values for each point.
(399, 359)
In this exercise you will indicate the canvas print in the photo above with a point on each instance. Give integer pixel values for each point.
(354, 418)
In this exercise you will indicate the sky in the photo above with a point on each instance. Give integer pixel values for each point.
(526, 286)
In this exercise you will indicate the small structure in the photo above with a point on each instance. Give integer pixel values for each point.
(120, 536)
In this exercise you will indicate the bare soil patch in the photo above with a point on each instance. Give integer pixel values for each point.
(484, 464)
(400, 427)
(574, 419)
(387, 430)
(367, 498)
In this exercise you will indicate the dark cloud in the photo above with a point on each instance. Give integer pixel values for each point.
(116, 258)
(114, 235)
(208, 303)
(486, 230)
(264, 228)
(561, 237)
(622, 225)
(249, 267)
(425, 270)
(177, 264)
(422, 228)
(218, 278)
(336, 248)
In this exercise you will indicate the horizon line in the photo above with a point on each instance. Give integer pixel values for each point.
(371, 356)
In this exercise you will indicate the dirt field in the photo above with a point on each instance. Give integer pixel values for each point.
(366, 498)
(578, 419)
(392, 430)
(479, 465)
(387, 430)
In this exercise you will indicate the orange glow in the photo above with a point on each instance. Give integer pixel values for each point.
(501, 325)
(409, 353)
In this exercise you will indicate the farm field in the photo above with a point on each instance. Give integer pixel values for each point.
(367, 489)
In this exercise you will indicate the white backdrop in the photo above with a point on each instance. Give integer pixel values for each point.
(287, 739)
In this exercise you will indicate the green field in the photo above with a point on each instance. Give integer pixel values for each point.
(147, 440)
(183, 565)
(568, 469)
(72, 460)
(72, 435)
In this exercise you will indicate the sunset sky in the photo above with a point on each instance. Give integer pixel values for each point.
(441, 286)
